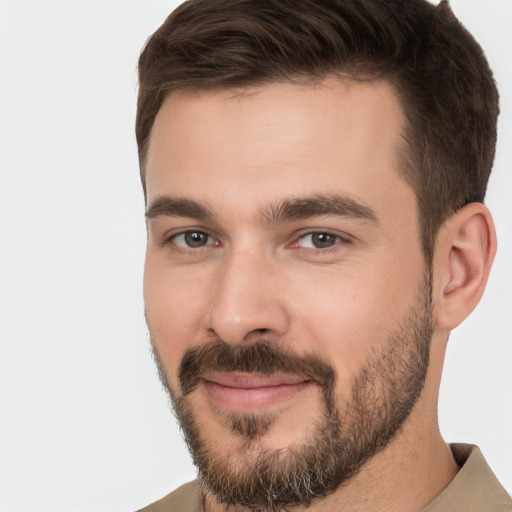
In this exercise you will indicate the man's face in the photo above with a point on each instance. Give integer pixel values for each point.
(286, 292)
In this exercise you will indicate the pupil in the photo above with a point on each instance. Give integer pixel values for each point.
(322, 240)
(195, 239)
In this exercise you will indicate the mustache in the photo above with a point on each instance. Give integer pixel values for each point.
(262, 357)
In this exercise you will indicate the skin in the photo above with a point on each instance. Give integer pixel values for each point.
(239, 153)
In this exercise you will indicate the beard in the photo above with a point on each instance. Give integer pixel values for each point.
(349, 431)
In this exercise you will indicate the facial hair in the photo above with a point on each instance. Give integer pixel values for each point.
(349, 430)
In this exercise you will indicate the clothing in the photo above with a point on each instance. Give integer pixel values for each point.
(184, 499)
(474, 489)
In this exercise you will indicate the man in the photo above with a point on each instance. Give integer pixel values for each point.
(314, 174)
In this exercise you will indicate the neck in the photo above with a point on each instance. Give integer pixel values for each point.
(414, 468)
(404, 477)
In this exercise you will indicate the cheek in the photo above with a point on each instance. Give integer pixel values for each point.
(347, 316)
(174, 305)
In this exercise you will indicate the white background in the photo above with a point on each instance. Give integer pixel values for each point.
(84, 425)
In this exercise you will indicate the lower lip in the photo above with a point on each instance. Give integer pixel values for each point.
(250, 400)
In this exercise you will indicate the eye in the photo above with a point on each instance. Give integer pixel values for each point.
(192, 239)
(319, 240)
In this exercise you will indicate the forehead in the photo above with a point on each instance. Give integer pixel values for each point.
(341, 136)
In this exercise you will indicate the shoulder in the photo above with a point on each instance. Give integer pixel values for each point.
(185, 498)
(474, 489)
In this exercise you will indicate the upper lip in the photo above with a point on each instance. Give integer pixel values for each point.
(252, 380)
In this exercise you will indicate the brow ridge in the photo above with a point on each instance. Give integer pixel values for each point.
(177, 207)
(286, 210)
(317, 206)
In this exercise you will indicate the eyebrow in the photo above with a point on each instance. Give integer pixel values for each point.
(282, 211)
(317, 206)
(177, 207)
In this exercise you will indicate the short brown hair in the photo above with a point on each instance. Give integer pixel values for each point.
(439, 71)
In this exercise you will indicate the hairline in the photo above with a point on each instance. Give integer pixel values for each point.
(405, 157)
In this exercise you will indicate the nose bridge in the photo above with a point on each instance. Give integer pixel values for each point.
(247, 299)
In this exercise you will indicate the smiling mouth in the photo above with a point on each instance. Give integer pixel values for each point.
(251, 393)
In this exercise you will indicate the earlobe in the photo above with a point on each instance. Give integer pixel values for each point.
(465, 250)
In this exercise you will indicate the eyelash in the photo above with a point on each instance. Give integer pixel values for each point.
(171, 241)
(339, 241)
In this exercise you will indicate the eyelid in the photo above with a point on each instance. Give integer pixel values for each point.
(343, 239)
(169, 236)
(209, 239)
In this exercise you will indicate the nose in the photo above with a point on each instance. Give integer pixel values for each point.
(249, 300)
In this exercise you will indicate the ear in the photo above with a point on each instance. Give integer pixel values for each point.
(465, 249)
